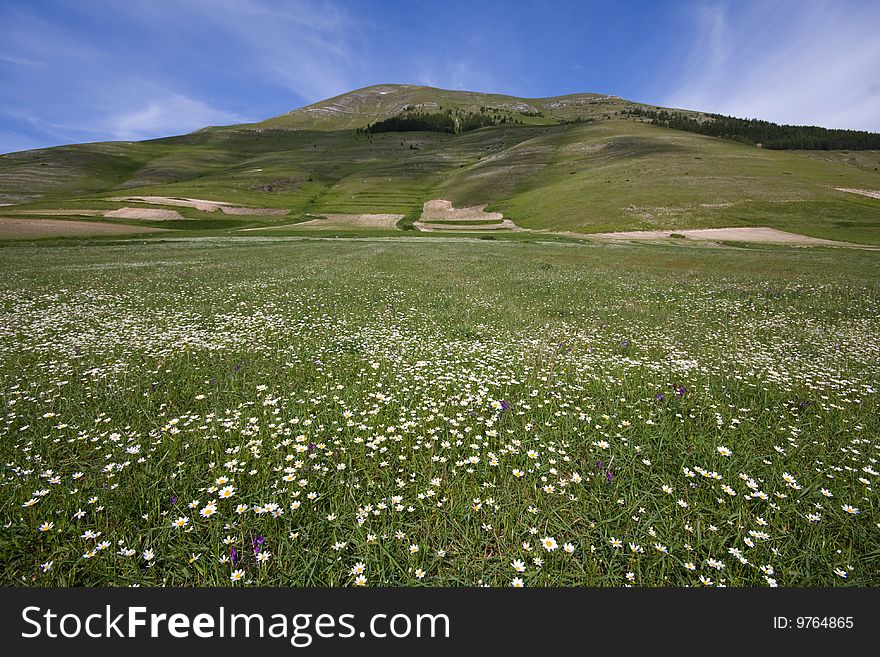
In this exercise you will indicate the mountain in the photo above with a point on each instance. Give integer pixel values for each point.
(582, 163)
(359, 108)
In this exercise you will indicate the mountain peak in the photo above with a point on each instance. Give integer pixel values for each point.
(359, 108)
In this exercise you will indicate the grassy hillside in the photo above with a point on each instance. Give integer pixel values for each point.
(630, 176)
(546, 173)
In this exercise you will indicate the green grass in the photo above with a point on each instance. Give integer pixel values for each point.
(631, 176)
(868, 160)
(606, 175)
(430, 369)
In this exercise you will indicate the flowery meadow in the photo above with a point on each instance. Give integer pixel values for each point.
(438, 413)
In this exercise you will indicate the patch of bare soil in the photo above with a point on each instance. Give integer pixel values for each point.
(442, 210)
(870, 193)
(756, 234)
(197, 203)
(505, 224)
(152, 214)
(12, 228)
(341, 222)
(353, 221)
(205, 205)
(73, 212)
(262, 212)
(452, 218)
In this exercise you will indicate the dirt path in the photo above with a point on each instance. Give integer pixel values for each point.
(862, 192)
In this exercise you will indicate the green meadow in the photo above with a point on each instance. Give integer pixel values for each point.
(438, 411)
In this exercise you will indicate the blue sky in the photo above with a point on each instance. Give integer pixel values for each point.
(91, 70)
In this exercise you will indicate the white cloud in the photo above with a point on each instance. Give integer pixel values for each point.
(167, 115)
(313, 49)
(176, 71)
(815, 63)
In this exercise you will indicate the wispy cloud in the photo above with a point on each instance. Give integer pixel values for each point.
(807, 63)
(314, 49)
(113, 69)
(136, 70)
(169, 114)
(20, 61)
